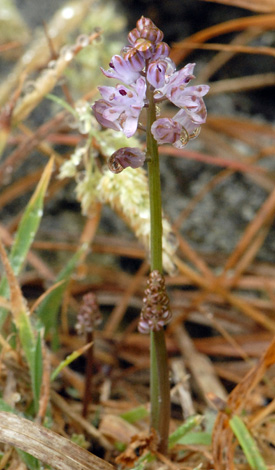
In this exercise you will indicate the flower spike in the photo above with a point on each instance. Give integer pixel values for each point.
(145, 63)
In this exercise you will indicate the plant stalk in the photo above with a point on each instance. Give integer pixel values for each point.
(88, 375)
(159, 376)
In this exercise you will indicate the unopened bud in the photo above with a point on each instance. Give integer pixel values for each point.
(155, 313)
(124, 157)
(144, 47)
(133, 36)
(135, 60)
(162, 50)
(89, 315)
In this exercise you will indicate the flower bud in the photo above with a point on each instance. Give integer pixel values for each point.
(134, 59)
(155, 312)
(89, 315)
(124, 157)
(162, 50)
(156, 73)
(144, 23)
(144, 47)
(152, 34)
(133, 36)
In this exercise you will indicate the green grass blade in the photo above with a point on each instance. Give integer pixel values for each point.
(30, 222)
(186, 427)
(48, 309)
(37, 372)
(6, 407)
(26, 232)
(33, 352)
(22, 322)
(69, 359)
(62, 103)
(30, 461)
(196, 438)
(247, 444)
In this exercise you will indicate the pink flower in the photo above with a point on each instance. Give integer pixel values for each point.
(176, 81)
(166, 131)
(120, 107)
(179, 130)
(127, 71)
(124, 157)
(190, 98)
(143, 63)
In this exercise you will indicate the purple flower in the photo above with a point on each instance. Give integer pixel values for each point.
(190, 98)
(126, 71)
(101, 108)
(124, 157)
(176, 81)
(166, 131)
(120, 107)
(179, 130)
(196, 114)
(143, 63)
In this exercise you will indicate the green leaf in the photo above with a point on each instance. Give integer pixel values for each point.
(26, 232)
(247, 443)
(48, 309)
(135, 415)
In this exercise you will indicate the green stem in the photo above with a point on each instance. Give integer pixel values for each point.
(159, 380)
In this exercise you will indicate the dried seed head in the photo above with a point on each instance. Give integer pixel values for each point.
(155, 312)
(89, 315)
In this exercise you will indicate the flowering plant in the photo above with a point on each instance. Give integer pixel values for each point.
(145, 65)
(148, 77)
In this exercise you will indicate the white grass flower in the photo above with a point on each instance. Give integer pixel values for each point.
(128, 194)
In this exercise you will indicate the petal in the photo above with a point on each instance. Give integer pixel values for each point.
(129, 126)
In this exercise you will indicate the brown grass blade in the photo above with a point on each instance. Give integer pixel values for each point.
(265, 213)
(46, 445)
(222, 434)
(236, 85)
(179, 52)
(236, 48)
(261, 6)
